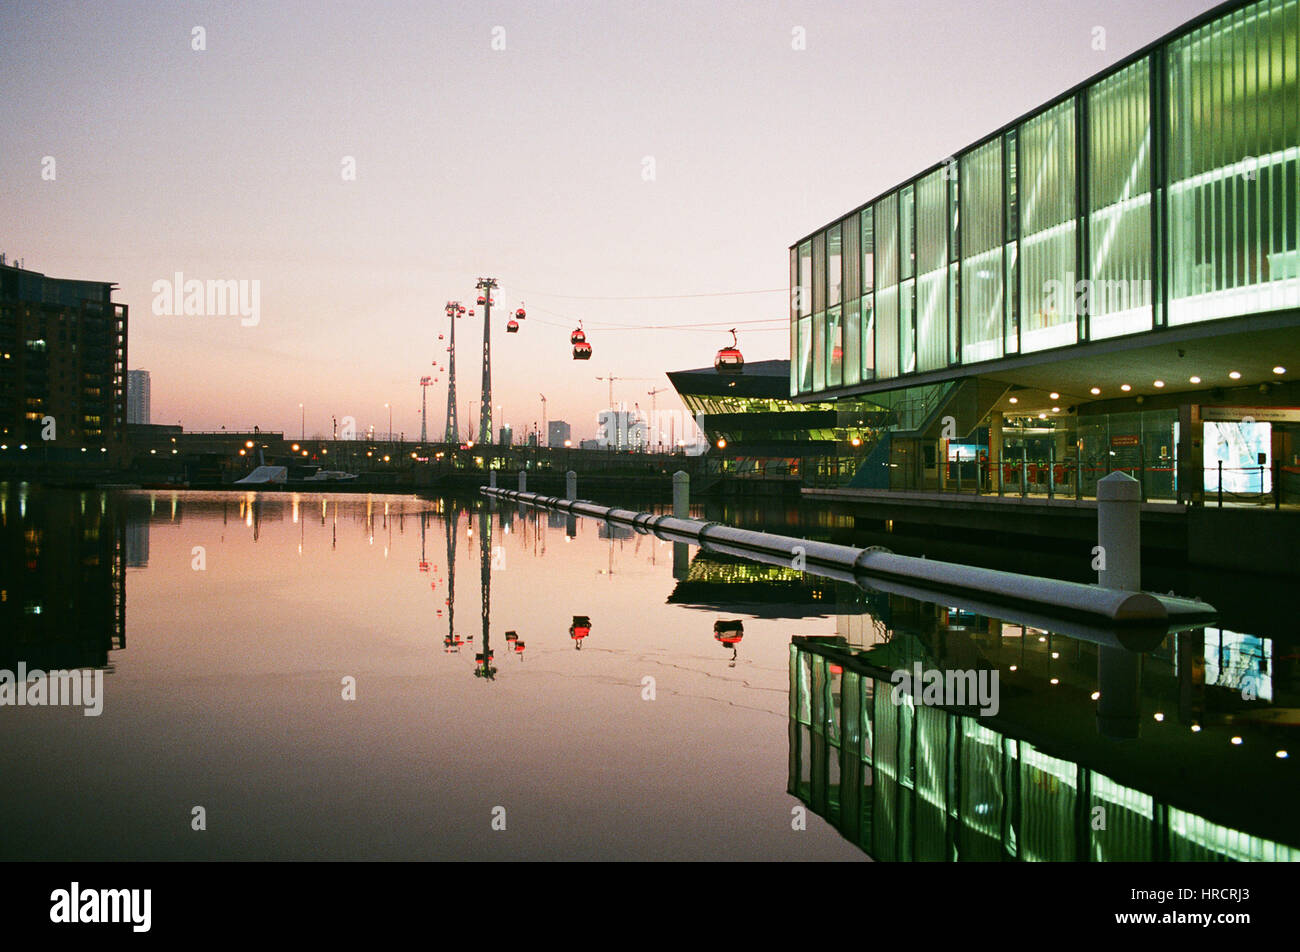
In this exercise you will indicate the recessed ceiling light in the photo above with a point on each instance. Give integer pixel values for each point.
(1196, 728)
(1042, 416)
(1281, 755)
(1054, 395)
(1235, 374)
(1015, 400)
(1279, 370)
(1125, 387)
(1158, 383)
(1095, 390)
(1193, 379)
(1237, 741)
(1056, 409)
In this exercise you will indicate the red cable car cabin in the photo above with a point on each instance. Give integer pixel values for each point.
(512, 327)
(481, 300)
(582, 351)
(729, 359)
(520, 313)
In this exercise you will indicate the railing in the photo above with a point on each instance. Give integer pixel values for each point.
(1073, 479)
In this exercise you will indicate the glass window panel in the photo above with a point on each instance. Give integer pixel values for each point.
(794, 318)
(1119, 195)
(932, 271)
(887, 332)
(868, 250)
(1047, 230)
(805, 354)
(981, 238)
(819, 272)
(907, 325)
(907, 236)
(834, 348)
(805, 279)
(852, 341)
(1234, 164)
(1010, 258)
(834, 266)
(851, 257)
(886, 309)
(819, 351)
(868, 337)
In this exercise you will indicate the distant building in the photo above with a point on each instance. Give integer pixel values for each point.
(137, 397)
(507, 436)
(558, 433)
(62, 363)
(621, 429)
(590, 445)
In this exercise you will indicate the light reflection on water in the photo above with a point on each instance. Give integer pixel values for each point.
(501, 659)
(226, 689)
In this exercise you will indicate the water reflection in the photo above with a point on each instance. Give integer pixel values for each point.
(230, 695)
(63, 565)
(1203, 773)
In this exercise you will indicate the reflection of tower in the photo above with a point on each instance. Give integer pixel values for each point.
(484, 667)
(452, 642)
(451, 433)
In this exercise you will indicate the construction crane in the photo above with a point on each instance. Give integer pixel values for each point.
(543, 435)
(611, 380)
(654, 419)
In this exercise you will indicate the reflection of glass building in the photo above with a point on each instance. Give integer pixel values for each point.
(1081, 281)
(1037, 780)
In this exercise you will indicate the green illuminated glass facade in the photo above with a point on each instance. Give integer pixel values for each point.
(1162, 193)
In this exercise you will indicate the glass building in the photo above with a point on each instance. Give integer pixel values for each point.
(1127, 250)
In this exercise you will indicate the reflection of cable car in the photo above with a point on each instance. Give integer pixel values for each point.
(729, 635)
(512, 326)
(519, 650)
(512, 636)
(729, 359)
(424, 566)
(452, 642)
(580, 629)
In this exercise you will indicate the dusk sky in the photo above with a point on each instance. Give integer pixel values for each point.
(612, 156)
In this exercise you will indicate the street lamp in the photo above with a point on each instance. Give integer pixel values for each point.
(303, 434)
(390, 421)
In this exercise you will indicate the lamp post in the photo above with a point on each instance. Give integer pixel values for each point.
(390, 424)
(303, 434)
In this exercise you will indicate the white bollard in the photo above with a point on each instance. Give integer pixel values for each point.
(1119, 532)
(570, 485)
(523, 481)
(681, 495)
(492, 478)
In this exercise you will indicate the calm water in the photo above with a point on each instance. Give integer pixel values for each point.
(226, 625)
